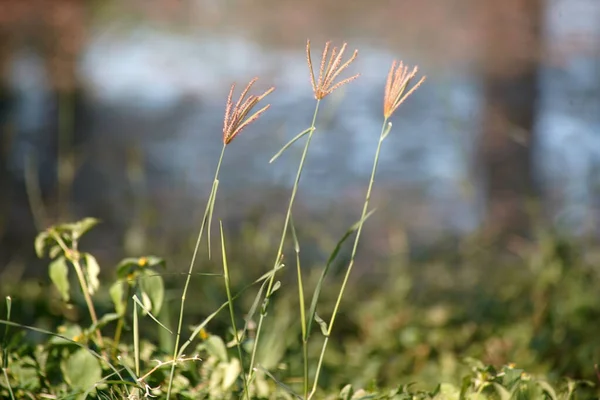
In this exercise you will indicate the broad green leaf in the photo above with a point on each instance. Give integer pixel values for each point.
(231, 373)
(548, 389)
(216, 347)
(117, 294)
(59, 274)
(152, 286)
(502, 392)
(81, 227)
(40, 243)
(92, 270)
(346, 392)
(130, 265)
(81, 370)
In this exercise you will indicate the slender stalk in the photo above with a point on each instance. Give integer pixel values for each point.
(282, 240)
(211, 200)
(73, 256)
(382, 136)
(302, 306)
(5, 348)
(232, 312)
(121, 323)
(136, 340)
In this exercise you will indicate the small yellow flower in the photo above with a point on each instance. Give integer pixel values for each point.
(511, 365)
(76, 338)
(143, 261)
(203, 334)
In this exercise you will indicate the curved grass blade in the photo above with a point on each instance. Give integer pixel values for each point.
(209, 318)
(291, 142)
(278, 382)
(332, 257)
(139, 303)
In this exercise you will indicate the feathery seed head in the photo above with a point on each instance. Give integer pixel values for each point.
(327, 75)
(397, 81)
(236, 116)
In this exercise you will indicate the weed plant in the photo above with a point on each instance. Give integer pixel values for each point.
(112, 357)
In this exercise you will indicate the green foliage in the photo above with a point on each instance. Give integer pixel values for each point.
(422, 343)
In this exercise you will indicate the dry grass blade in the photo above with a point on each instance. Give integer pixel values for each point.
(236, 116)
(324, 85)
(397, 81)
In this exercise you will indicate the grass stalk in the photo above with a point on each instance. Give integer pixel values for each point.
(282, 240)
(237, 339)
(73, 256)
(136, 340)
(5, 348)
(209, 208)
(302, 305)
(385, 128)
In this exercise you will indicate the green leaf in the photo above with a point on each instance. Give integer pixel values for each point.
(117, 293)
(276, 286)
(502, 392)
(40, 243)
(216, 347)
(288, 144)
(59, 274)
(346, 392)
(322, 324)
(81, 370)
(79, 228)
(151, 285)
(548, 389)
(131, 265)
(92, 271)
(55, 250)
(231, 372)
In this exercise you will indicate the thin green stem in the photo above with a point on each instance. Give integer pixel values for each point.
(231, 311)
(136, 340)
(302, 305)
(211, 199)
(382, 136)
(73, 256)
(121, 323)
(282, 240)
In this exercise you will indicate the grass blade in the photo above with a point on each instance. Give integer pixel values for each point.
(211, 208)
(279, 383)
(291, 142)
(332, 257)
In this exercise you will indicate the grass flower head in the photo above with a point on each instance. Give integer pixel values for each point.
(327, 75)
(397, 81)
(236, 116)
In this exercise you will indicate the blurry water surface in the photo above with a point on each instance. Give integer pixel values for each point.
(159, 88)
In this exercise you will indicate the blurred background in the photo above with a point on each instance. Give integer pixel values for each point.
(114, 109)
